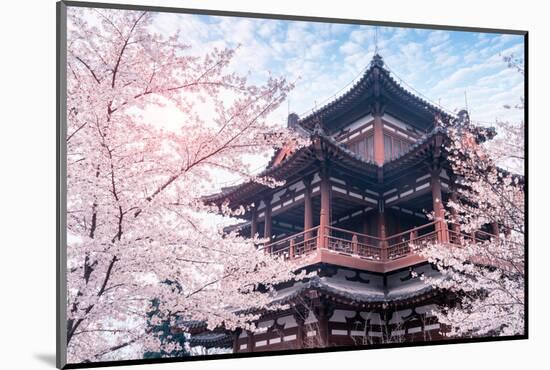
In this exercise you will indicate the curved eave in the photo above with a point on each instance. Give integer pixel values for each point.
(421, 105)
(301, 160)
(363, 300)
(365, 88)
(421, 151)
(420, 296)
(211, 340)
(356, 92)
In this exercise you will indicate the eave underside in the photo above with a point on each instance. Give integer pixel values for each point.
(344, 164)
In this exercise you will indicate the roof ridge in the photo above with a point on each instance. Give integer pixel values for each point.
(376, 63)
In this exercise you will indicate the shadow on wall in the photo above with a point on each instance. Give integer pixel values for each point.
(47, 358)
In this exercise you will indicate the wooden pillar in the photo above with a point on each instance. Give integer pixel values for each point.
(249, 341)
(378, 140)
(439, 210)
(381, 229)
(365, 224)
(324, 216)
(267, 221)
(253, 222)
(413, 235)
(397, 218)
(299, 317)
(322, 321)
(236, 335)
(455, 226)
(381, 224)
(308, 208)
(495, 229)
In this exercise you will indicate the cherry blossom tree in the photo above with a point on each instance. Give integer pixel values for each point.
(486, 273)
(135, 219)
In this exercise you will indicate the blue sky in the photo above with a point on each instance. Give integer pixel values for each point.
(324, 59)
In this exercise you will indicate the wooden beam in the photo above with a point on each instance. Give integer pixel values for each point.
(236, 335)
(249, 341)
(325, 212)
(267, 218)
(322, 321)
(253, 221)
(438, 208)
(495, 229)
(378, 140)
(308, 206)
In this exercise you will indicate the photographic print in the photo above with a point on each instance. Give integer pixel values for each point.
(245, 184)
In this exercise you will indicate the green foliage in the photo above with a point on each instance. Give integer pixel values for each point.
(163, 330)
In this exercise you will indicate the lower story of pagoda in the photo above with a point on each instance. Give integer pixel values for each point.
(347, 307)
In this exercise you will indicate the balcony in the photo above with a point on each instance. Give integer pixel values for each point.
(352, 249)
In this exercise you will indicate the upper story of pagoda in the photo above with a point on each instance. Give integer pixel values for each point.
(371, 136)
(358, 195)
(376, 102)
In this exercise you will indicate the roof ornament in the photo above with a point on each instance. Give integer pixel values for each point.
(318, 128)
(463, 117)
(292, 120)
(376, 40)
(377, 61)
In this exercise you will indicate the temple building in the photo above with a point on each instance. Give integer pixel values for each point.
(353, 209)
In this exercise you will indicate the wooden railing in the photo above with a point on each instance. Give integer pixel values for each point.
(407, 242)
(369, 247)
(461, 237)
(353, 243)
(296, 245)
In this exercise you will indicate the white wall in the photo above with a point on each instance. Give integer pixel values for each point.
(28, 181)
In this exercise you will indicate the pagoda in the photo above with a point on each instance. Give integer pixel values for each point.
(353, 212)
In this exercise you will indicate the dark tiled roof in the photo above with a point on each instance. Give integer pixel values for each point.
(399, 287)
(363, 87)
(305, 156)
(211, 339)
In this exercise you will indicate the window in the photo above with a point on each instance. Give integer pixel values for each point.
(388, 149)
(370, 148)
(394, 147)
(364, 147)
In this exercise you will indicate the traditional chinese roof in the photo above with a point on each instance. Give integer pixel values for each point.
(355, 287)
(351, 287)
(375, 88)
(192, 326)
(211, 339)
(304, 160)
(296, 166)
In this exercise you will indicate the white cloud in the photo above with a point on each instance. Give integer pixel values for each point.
(437, 37)
(350, 48)
(326, 57)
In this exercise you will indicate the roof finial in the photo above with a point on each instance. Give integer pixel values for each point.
(463, 117)
(376, 40)
(377, 61)
(288, 107)
(318, 128)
